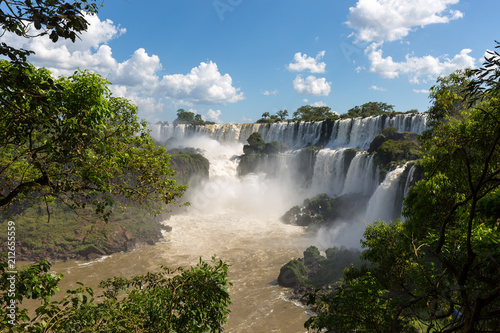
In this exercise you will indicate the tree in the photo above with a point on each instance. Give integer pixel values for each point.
(439, 270)
(70, 139)
(370, 109)
(190, 118)
(282, 114)
(314, 113)
(181, 300)
(53, 18)
(255, 142)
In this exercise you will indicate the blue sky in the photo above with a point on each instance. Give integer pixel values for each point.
(232, 60)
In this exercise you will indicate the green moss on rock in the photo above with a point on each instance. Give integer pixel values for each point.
(316, 270)
(189, 165)
(293, 274)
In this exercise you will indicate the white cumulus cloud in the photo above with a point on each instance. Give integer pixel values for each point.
(390, 20)
(377, 88)
(139, 70)
(418, 68)
(270, 92)
(203, 85)
(213, 115)
(312, 85)
(302, 63)
(136, 78)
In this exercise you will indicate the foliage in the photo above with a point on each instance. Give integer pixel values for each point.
(181, 300)
(282, 114)
(488, 77)
(293, 274)
(314, 113)
(53, 18)
(439, 270)
(257, 145)
(190, 118)
(392, 148)
(370, 109)
(376, 143)
(256, 142)
(268, 118)
(360, 305)
(188, 165)
(70, 139)
(394, 151)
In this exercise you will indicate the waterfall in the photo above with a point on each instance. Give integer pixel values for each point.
(409, 180)
(344, 133)
(329, 172)
(362, 176)
(382, 204)
(338, 165)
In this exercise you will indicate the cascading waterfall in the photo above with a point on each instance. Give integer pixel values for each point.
(329, 172)
(352, 133)
(362, 176)
(382, 203)
(237, 217)
(341, 168)
(409, 180)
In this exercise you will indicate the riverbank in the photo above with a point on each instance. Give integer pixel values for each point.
(79, 235)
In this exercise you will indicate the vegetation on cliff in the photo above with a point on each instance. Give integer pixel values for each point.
(188, 164)
(190, 118)
(392, 149)
(79, 234)
(258, 152)
(323, 113)
(317, 271)
(323, 210)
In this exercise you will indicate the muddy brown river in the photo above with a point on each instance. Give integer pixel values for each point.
(254, 248)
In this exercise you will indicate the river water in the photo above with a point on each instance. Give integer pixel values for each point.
(254, 248)
(236, 219)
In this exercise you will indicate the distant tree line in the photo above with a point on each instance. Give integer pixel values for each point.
(190, 118)
(321, 113)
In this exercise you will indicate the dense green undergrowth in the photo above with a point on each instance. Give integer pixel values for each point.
(181, 300)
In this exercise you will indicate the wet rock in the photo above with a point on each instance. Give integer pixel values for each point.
(293, 274)
(91, 252)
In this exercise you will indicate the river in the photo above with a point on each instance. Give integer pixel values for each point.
(254, 248)
(236, 219)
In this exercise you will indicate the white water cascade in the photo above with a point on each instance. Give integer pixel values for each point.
(341, 168)
(362, 176)
(353, 133)
(329, 172)
(382, 203)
